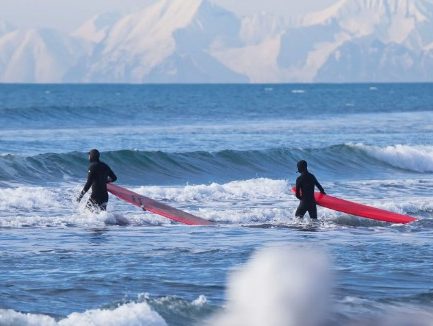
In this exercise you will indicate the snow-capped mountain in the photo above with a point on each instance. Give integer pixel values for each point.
(95, 30)
(166, 42)
(360, 40)
(260, 27)
(369, 59)
(37, 56)
(408, 22)
(198, 41)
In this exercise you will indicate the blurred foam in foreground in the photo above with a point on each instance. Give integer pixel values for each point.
(279, 286)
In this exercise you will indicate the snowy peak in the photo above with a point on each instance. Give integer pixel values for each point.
(180, 31)
(391, 21)
(152, 24)
(95, 30)
(138, 42)
(415, 9)
(259, 27)
(212, 27)
(408, 8)
(36, 55)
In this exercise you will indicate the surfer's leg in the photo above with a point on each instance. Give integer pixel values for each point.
(312, 211)
(95, 206)
(91, 205)
(103, 206)
(301, 210)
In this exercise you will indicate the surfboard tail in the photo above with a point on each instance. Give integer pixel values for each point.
(156, 207)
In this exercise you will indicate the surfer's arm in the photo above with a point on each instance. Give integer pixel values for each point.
(298, 189)
(87, 185)
(318, 185)
(111, 176)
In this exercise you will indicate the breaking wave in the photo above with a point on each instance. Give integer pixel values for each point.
(159, 168)
(127, 314)
(412, 158)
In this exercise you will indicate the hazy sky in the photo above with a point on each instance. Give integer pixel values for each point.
(68, 14)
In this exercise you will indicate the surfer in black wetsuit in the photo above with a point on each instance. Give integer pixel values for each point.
(98, 176)
(305, 184)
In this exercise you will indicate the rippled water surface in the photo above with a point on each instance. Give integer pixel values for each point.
(226, 153)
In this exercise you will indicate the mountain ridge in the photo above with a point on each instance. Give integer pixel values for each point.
(175, 41)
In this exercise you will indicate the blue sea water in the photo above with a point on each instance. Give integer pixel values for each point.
(226, 153)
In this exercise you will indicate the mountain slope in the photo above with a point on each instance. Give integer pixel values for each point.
(95, 30)
(40, 56)
(371, 60)
(341, 42)
(388, 20)
(165, 41)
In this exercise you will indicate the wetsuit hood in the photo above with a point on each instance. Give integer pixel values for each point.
(94, 155)
(302, 166)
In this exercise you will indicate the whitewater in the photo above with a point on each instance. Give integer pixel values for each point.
(228, 154)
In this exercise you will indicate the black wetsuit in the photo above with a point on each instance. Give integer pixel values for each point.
(305, 184)
(97, 178)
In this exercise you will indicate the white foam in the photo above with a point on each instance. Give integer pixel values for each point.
(239, 202)
(253, 189)
(415, 158)
(246, 215)
(29, 198)
(13, 318)
(48, 206)
(279, 286)
(254, 200)
(200, 301)
(129, 314)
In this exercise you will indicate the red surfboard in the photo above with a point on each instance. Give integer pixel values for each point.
(155, 206)
(360, 210)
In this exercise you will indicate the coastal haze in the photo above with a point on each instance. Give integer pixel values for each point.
(200, 41)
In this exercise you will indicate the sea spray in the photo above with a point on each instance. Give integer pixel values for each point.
(282, 286)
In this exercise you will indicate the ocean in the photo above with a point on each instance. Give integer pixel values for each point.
(226, 153)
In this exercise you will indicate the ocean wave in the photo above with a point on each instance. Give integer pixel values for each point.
(411, 158)
(141, 167)
(144, 310)
(126, 314)
(278, 285)
(32, 198)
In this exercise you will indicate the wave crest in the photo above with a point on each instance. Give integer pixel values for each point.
(412, 158)
(164, 168)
